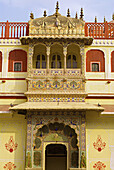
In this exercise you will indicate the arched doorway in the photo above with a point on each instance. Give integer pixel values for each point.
(56, 157)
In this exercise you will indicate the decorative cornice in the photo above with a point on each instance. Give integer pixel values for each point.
(52, 39)
(10, 42)
(103, 42)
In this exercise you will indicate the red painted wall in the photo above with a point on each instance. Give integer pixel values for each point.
(95, 56)
(17, 55)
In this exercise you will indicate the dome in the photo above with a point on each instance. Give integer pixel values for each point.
(56, 25)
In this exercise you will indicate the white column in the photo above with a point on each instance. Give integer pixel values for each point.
(48, 54)
(65, 54)
(109, 63)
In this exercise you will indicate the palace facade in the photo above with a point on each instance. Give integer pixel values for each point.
(57, 94)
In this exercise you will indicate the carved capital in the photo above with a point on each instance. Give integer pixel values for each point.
(65, 51)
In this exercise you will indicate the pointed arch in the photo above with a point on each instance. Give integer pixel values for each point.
(56, 56)
(39, 57)
(73, 56)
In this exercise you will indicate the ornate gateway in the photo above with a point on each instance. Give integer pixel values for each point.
(55, 109)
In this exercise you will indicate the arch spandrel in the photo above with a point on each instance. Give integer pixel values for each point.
(55, 137)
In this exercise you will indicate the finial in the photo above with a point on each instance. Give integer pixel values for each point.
(57, 8)
(68, 13)
(95, 19)
(57, 5)
(76, 16)
(113, 16)
(45, 13)
(81, 14)
(104, 19)
(31, 15)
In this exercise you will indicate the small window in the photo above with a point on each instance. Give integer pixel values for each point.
(38, 64)
(71, 61)
(95, 67)
(56, 61)
(17, 66)
(41, 62)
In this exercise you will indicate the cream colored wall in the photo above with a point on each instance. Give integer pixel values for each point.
(103, 126)
(107, 46)
(100, 87)
(13, 126)
(11, 85)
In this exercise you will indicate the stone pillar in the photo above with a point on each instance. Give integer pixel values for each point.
(29, 142)
(48, 54)
(82, 59)
(65, 54)
(29, 64)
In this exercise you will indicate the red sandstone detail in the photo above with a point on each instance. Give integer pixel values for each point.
(99, 145)
(9, 166)
(99, 166)
(11, 146)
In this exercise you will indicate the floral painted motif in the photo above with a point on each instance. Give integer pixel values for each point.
(99, 145)
(11, 146)
(99, 166)
(83, 160)
(28, 160)
(9, 166)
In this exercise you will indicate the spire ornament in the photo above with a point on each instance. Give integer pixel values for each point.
(45, 13)
(104, 19)
(31, 15)
(68, 13)
(81, 14)
(76, 16)
(95, 19)
(57, 8)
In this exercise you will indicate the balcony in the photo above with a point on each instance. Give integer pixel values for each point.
(56, 72)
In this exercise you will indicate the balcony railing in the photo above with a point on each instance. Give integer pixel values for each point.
(99, 30)
(13, 30)
(56, 72)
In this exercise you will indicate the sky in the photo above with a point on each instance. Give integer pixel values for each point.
(19, 10)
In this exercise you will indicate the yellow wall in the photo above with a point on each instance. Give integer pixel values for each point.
(13, 126)
(103, 126)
